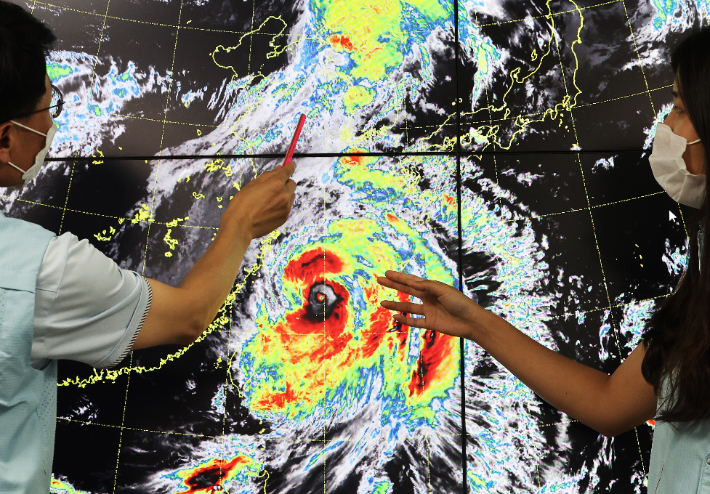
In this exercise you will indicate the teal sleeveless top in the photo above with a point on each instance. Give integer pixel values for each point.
(680, 456)
(28, 396)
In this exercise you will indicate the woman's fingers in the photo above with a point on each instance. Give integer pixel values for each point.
(413, 322)
(389, 283)
(406, 307)
(402, 278)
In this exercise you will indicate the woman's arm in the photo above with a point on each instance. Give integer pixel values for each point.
(609, 404)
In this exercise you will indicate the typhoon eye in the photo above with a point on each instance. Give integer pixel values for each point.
(322, 300)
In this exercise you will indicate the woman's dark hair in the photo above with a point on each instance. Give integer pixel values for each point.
(24, 44)
(678, 339)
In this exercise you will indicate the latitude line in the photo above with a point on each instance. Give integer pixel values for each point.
(578, 106)
(158, 24)
(407, 126)
(548, 16)
(227, 31)
(208, 436)
(384, 154)
(182, 225)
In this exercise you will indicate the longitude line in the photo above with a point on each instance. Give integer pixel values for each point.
(123, 421)
(682, 219)
(325, 387)
(145, 256)
(462, 342)
(66, 199)
(251, 37)
(98, 50)
(93, 77)
(591, 217)
(224, 392)
(162, 137)
(490, 114)
(650, 99)
(643, 72)
(589, 206)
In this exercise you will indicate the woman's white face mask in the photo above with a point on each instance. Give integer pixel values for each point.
(670, 170)
(39, 159)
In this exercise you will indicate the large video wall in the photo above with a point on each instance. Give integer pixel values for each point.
(500, 146)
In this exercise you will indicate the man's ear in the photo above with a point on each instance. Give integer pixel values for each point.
(6, 141)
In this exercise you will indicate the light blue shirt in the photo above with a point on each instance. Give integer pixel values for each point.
(87, 308)
(680, 459)
(60, 298)
(680, 456)
(28, 396)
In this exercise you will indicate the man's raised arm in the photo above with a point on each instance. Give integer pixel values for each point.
(178, 315)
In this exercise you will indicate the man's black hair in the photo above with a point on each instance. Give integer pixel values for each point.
(24, 45)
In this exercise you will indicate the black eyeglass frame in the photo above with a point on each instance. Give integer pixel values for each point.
(54, 114)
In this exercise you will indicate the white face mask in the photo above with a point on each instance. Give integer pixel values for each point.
(39, 159)
(670, 171)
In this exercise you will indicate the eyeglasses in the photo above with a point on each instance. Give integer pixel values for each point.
(56, 106)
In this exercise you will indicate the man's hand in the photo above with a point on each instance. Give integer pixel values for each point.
(180, 314)
(263, 204)
(445, 309)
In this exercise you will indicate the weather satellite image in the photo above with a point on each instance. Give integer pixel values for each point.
(500, 146)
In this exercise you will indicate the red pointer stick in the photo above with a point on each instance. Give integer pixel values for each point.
(294, 140)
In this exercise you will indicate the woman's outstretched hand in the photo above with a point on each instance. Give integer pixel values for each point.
(445, 309)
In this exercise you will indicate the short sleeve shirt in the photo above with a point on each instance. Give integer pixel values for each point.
(86, 307)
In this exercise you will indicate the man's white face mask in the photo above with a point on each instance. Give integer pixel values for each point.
(39, 159)
(670, 171)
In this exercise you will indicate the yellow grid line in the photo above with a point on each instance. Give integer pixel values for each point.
(158, 24)
(653, 109)
(581, 168)
(138, 429)
(209, 436)
(159, 120)
(182, 225)
(179, 225)
(407, 126)
(150, 215)
(66, 200)
(566, 315)
(645, 80)
(578, 106)
(121, 429)
(548, 16)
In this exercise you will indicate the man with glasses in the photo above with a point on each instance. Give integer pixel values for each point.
(60, 298)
